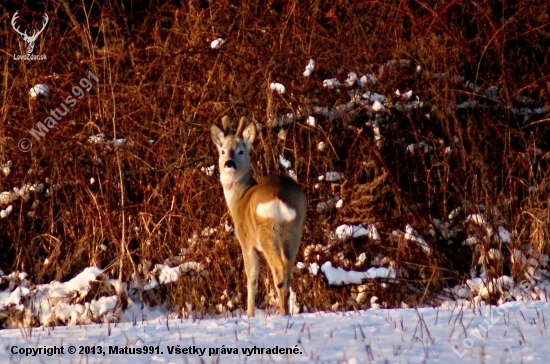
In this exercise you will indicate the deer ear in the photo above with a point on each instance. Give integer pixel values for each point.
(217, 135)
(249, 134)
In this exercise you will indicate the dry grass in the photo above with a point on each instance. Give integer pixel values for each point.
(161, 86)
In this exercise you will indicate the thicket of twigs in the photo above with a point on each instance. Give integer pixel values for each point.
(161, 85)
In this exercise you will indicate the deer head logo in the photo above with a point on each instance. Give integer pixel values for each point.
(29, 39)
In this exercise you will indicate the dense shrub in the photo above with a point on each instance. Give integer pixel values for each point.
(472, 139)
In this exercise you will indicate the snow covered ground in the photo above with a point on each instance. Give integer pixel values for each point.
(513, 332)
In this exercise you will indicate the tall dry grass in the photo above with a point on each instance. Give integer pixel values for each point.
(162, 85)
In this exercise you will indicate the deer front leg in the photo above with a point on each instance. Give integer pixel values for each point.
(251, 267)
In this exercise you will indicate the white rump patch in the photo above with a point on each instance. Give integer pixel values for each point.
(276, 210)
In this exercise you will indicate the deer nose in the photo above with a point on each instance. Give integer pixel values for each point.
(230, 164)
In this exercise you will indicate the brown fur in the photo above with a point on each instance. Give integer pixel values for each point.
(279, 241)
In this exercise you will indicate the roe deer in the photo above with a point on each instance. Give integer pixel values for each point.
(268, 214)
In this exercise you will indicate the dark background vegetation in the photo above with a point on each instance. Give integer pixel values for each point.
(160, 81)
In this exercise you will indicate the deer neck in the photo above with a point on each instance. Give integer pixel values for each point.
(234, 189)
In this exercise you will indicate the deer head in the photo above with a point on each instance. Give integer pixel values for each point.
(29, 39)
(234, 148)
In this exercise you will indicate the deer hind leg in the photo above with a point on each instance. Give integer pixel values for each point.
(251, 267)
(280, 269)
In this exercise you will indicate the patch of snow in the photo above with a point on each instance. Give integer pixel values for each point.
(209, 171)
(217, 43)
(6, 168)
(346, 231)
(283, 120)
(467, 104)
(309, 68)
(373, 233)
(5, 197)
(277, 87)
(331, 83)
(377, 106)
(96, 139)
(406, 95)
(163, 273)
(292, 174)
(339, 276)
(332, 176)
(39, 91)
(412, 235)
(365, 79)
(5, 213)
(376, 129)
(373, 96)
(504, 235)
(472, 86)
(422, 145)
(350, 81)
(492, 92)
(285, 163)
(453, 214)
(361, 259)
(313, 268)
(327, 205)
(373, 304)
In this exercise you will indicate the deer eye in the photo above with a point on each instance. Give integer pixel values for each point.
(241, 152)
